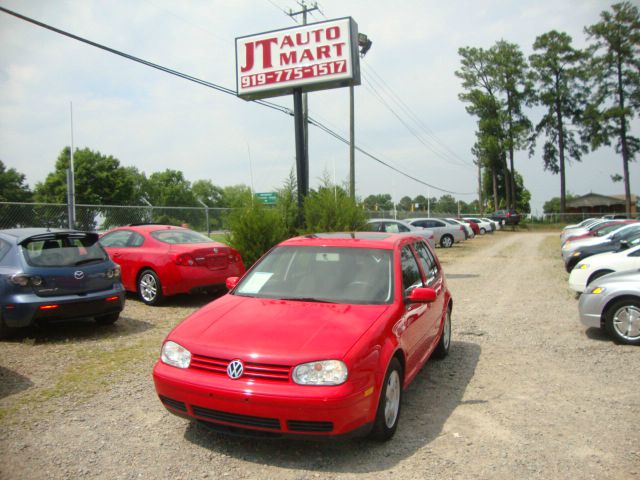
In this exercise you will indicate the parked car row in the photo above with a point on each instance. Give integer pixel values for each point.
(440, 232)
(602, 256)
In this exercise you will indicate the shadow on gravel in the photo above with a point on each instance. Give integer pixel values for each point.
(597, 334)
(426, 406)
(12, 382)
(77, 330)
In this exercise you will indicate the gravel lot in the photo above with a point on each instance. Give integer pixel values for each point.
(526, 392)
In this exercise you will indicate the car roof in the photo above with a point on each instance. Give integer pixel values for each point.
(21, 234)
(386, 220)
(380, 240)
(149, 227)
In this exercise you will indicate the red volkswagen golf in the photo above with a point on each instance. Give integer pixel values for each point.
(320, 337)
(162, 260)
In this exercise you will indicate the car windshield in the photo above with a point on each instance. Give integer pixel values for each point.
(63, 251)
(179, 236)
(322, 274)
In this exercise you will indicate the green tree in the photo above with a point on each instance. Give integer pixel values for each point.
(331, 209)
(421, 201)
(14, 189)
(99, 180)
(288, 204)
(511, 73)
(207, 192)
(381, 201)
(12, 185)
(558, 73)
(615, 70)
(405, 204)
(553, 205)
(235, 196)
(446, 204)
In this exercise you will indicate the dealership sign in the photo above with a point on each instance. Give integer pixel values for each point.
(311, 57)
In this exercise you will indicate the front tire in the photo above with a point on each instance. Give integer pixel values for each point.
(482, 231)
(388, 413)
(149, 287)
(622, 321)
(446, 241)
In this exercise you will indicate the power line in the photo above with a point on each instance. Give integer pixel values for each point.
(219, 88)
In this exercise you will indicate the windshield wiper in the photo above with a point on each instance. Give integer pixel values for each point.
(306, 299)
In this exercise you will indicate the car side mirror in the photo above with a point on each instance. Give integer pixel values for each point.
(422, 295)
(231, 282)
(624, 244)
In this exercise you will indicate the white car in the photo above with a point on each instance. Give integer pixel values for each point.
(576, 232)
(485, 227)
(587, 270)
(445, 233)
(465, 225)
(390, 225)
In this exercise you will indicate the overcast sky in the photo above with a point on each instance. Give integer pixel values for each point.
(154, 121)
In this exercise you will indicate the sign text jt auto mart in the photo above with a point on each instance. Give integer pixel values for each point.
(311, 57)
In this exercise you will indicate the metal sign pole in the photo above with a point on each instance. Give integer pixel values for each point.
(302, 166)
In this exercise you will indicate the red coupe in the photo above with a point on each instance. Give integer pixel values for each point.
(161, 260)
(319, 338)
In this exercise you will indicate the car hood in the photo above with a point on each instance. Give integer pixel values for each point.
(275, 331)
(624, 277)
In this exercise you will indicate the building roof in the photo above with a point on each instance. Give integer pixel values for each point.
(597, 200)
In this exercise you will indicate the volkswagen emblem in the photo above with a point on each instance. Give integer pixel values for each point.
(235, 369)
(78, 274)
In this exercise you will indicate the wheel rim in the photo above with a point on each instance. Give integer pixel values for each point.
(626, 322)
(446, 242)
(148, 287)
(392, 399)
(446, 331)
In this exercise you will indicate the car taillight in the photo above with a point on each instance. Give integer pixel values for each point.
(48, 307)
(24, 280)
(114, 272)
(112, 299)
(185, 260)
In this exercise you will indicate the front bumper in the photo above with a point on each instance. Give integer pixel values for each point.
(272, 408)
(22, 310)
(590, 309)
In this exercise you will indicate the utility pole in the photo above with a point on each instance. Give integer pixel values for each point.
(305, 104)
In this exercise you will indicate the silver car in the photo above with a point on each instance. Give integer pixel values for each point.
(612, 302)
(391, 225)
(445, 234)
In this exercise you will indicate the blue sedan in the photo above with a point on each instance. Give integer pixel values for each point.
(51, 274)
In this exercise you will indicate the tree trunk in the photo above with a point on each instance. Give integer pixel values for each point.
(623, 140)
(495, 188)
(560, 127)
(479, 183)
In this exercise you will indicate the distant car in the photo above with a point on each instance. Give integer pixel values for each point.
(483, 226)
(494, 224)
(390, 225)
(162, 260)
(576, 232)
(54, 274)
(612, 302)
(589, 269)
(615, 216)
(445, 233)
(571, 248)
(472, 225)
(599, 230)
(468, 231)
(319, 339)
(506, 217)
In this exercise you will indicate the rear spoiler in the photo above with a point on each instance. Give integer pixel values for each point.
(54, 235)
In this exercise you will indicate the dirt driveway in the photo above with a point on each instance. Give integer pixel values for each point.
(526, 392)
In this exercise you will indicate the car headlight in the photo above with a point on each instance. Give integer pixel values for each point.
(597, 290)
(175, 355)
(324, 372)
(583, 266)
(576, 254)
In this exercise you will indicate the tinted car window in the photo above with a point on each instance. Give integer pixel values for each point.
(175, 237)
(4, 248)
(392, 227)
(136, 240)
(119, 238)
(63, 252)
(429, 264)
(410, 271)
(419, 223)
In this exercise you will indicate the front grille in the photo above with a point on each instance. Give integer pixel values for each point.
(251, 370)
(247, 420)
(306, 426)
(175, 404)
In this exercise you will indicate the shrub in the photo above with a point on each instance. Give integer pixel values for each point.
(330, 209)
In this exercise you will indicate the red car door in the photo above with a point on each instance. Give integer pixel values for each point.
(417, 318)
(433, 279)
(123, 248)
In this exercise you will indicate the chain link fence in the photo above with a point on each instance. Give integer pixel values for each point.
(103, 217)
